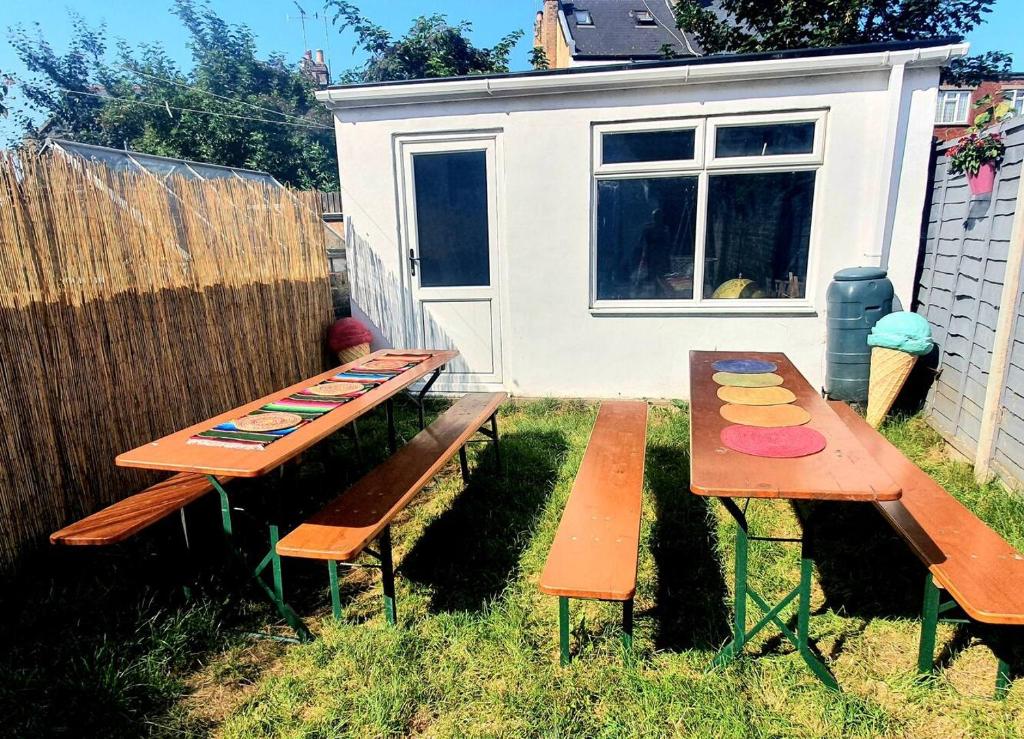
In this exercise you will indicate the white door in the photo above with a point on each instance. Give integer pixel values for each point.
(450, 252)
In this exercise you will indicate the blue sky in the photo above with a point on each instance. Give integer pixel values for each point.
(277, 26)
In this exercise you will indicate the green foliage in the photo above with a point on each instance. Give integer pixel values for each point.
(978, 147)
(6, 83)
(539, 58)
(770, 25)
(233, 108)
(432, 48)
(971, 71)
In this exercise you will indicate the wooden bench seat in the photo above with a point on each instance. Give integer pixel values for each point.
(980, 570)
(342, 530)
(594, 554)
(126, 517)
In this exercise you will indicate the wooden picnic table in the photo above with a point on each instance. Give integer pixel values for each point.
(176, 454)
(843, 471)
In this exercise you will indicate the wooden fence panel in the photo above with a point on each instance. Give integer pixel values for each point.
(126, 314)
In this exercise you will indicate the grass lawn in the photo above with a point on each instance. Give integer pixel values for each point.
(105, 643)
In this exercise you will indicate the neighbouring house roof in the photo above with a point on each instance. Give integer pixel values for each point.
(689, 70)
(616, 30)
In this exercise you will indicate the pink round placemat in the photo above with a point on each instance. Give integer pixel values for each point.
(780, 443)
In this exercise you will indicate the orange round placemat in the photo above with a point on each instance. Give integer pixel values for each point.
(334, 389)
(385, 364)
(739, 379)
(268, 422)
(755, 395)
(765, 416)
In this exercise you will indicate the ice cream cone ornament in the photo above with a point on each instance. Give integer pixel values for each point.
(896, 341)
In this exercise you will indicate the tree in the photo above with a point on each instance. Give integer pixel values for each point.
(770, 25)
(232, 108)
(432, 48)
(6, 83)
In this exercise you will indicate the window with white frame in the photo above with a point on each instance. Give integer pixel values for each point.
(952, 107)
(1016, 99)
(704, 212)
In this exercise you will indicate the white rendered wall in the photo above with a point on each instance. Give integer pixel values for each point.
(553, 343)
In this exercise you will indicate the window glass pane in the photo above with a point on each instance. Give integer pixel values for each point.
(758, 233)
(451, 218)
(647, 146)
(645, 238)
(767, 140)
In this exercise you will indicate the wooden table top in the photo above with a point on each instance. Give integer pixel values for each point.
(844, 470)
(174, 453)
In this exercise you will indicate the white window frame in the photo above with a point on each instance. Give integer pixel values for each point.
(940, 105)
(1015, 97)
(704, 165)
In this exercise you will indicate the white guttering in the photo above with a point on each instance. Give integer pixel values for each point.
(468, 88)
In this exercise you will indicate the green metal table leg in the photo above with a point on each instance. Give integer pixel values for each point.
(627, 625)
(389, 412)
(464, 464)
(387, 573)
(803, 621)
(273, 594)
(929, 619)
(332, 572)
(497, 444)
(563, 629)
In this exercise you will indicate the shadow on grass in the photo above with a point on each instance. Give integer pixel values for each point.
(690, 603)
(864, 569)
(470, 553)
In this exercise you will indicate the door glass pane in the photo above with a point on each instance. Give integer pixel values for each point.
(758, 235)
(645, 238)
(768, 140)
(451, 218)
(647, 146)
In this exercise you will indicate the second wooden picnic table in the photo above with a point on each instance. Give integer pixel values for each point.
(188, 451)
(842, 471)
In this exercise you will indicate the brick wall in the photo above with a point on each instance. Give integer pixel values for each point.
(945, 133)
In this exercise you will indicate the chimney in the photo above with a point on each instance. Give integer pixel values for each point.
(320, 56)
(549, 31)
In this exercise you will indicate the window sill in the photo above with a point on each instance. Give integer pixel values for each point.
(800, 308)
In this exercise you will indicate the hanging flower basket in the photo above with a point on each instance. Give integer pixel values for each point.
(977, 156)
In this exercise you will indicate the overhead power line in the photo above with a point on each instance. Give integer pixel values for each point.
(212, 94)
(164, 105)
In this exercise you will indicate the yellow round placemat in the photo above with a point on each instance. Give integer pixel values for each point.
(738, 379)
(385, 364)
(334, 389)
(755, 395)
(268, 422)
(765, 416)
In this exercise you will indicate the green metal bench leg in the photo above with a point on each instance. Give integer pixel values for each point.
(497, 444)
(464, 464)
(389, 412)
(563, 629)
(1003, 679)
(929, 620)
(387, 573)
(332, 573)
(627, 625)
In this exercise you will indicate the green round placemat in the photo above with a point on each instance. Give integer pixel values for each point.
(738, 379)
(765, 416)
(755, 395)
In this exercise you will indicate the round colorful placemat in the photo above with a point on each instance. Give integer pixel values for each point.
(781, 443)
(755, 395)
(765, 416)
(744, 366)
(385, 364)
(275, 421)
(740, 379)
(334, 389)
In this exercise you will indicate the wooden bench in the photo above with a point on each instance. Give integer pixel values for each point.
(345, 527)
(126, 517)
(975, 566)
(594, 554)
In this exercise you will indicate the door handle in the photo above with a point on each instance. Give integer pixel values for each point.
(412, 262)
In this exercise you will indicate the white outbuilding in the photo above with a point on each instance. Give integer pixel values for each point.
(576, 232)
